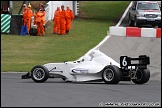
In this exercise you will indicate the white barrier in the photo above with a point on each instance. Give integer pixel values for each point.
(117, 31)
(148, 32)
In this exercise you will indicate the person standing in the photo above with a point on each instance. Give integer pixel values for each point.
(69, 17)
(24, 28)
(39, 22)
(56, 20)
(62, 21)
(25, 14)
(30, 14)
(44, 14)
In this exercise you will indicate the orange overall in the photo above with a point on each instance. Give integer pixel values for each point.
(69, 18)
(27, 14)
(43, 17)
(30, 14)
(62, 22)
(56, 20)
(39, 23)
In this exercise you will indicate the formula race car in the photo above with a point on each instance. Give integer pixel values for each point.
(94, 67)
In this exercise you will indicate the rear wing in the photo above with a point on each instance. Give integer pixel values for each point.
(141, 62)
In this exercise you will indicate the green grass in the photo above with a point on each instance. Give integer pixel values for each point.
(21, 53)
(104, 10)
(16, 7)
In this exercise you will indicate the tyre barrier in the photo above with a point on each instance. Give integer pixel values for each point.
(135, 32)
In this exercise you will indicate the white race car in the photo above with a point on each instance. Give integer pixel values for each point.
(97, 67)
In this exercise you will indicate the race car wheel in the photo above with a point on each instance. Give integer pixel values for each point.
(39, 74)
(111, 74)
(142, 76)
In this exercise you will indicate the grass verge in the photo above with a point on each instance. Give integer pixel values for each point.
(21, 53)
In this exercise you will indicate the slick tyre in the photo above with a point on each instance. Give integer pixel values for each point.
(142, 75)
(39, 74)
(111, 74)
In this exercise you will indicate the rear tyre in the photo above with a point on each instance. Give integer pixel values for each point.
(111, 74)
(143, 75)
(39, 74)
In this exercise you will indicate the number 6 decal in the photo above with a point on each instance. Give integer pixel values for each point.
(124, 62)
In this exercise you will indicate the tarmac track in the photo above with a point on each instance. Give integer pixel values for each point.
(57, 93)
(16, 92)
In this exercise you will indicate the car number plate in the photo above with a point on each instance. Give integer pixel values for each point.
(150, 19)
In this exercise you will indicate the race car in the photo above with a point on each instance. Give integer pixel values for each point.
(94, 67)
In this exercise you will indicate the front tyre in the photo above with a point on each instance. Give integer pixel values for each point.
(39, 74)
(142, 76)
(111, 74)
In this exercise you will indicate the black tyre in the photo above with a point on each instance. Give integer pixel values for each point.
(111, 74)
(33, 32)
(39, 74)
(143, 75)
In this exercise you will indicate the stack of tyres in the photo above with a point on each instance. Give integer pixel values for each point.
(33, 30)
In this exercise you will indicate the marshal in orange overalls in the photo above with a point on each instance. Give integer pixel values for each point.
(30, 14)
(39, 22)
(62, 21)
(56, 20)
(27, 14)
(69, 18)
